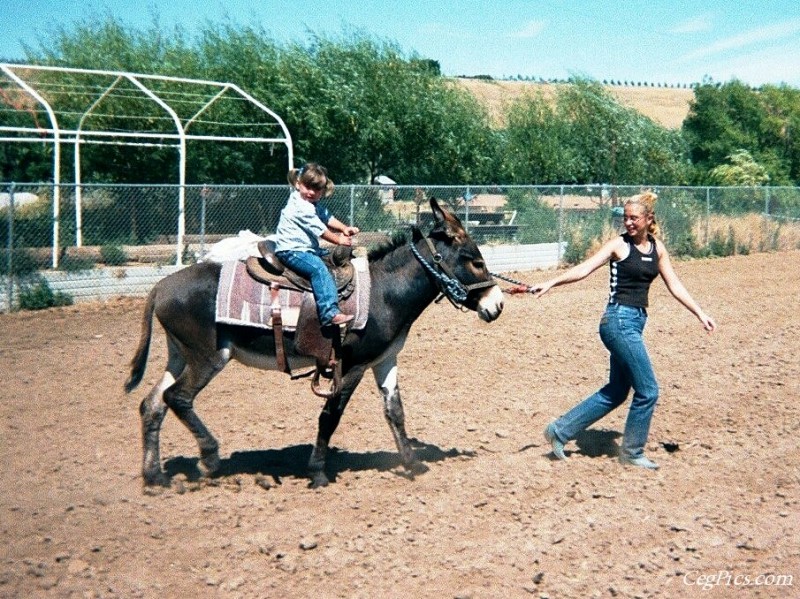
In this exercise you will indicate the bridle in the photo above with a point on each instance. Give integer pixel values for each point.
(449, 285)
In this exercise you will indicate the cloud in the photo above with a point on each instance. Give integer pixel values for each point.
(768, 33)
(695, 25)
(530, 29)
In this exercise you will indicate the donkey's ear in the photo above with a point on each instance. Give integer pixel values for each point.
(446, 221)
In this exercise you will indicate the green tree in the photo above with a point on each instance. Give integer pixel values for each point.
(727, 118)
(360, 106)
(740, 170)
(588, 137)
(536, 147)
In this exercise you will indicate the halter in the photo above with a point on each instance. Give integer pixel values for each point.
(451, 288)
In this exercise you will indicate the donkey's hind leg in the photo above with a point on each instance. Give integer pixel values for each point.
(180, 399)
(152, 411)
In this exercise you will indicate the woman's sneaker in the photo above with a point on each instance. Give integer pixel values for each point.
(556, 445)
(641, 462)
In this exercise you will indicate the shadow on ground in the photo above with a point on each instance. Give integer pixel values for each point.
(292, 461)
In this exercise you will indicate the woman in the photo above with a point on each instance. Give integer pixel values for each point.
(636, 257)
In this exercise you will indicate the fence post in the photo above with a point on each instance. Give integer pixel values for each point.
(181, 218)
(560, 223)
(10, 256)
(708, 215)
(203, 194)
(467, 198)
(352, 204)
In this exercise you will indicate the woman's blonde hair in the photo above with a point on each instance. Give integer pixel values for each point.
(313, 176)
(647, 200)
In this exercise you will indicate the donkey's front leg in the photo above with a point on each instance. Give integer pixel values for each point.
(386, 378)
(329, 419)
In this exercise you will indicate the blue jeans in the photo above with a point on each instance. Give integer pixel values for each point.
(313, 268)
(621, 332)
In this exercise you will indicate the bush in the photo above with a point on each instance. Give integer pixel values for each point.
(37, 295)
(676, 218)
(113, 255)
(587, 231)
(23, 262)
(538, 222)
(76, 263)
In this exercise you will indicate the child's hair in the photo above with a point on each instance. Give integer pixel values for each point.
(313, 176)
(647, 200)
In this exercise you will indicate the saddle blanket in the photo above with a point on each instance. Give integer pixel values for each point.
(241, 300)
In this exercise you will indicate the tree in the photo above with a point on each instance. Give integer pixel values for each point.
(588, 137)
(359, 105)
(740, 170)
(535, 147)
(363, 109)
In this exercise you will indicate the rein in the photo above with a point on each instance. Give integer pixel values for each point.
(451, 288)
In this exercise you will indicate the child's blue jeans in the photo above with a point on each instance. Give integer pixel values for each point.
(313, 268)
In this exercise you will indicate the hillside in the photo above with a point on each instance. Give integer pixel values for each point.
(666, 106)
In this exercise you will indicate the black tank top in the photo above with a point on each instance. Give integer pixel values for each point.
(631, 277)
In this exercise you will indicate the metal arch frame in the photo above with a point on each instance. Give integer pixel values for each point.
(57, 135)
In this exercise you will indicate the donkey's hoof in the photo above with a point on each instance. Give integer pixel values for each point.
(156, 481)
(209, 464)
(318, 480)
(415, 468)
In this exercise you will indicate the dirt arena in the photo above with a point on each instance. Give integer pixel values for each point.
(493, 516)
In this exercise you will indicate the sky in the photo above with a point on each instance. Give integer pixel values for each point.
(671, 42)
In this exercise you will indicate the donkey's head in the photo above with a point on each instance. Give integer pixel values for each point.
(459, 267)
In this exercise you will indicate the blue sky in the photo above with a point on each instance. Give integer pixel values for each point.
(658, 41)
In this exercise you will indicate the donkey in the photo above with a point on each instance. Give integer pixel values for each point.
(407, 276)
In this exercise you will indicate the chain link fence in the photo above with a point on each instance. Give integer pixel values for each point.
(59, 243)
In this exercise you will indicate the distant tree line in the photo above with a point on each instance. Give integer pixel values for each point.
(363, 107)
(558, 80)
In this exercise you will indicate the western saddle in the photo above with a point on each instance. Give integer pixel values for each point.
(324, 344)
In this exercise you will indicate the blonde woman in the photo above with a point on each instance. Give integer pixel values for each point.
(635, 258)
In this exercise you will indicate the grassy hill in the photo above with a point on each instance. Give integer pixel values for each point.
(666, 106)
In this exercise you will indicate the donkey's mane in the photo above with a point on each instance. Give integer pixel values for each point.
(397, 239)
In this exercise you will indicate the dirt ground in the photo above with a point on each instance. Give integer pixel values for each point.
(493, 516)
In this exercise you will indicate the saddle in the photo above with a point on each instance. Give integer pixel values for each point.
(269, 269)
(324, 344)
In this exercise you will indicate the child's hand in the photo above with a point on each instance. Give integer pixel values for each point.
(350, 231)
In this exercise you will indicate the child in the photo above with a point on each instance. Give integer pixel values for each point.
(302, 223)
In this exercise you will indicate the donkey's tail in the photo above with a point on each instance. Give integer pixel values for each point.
(139, 361)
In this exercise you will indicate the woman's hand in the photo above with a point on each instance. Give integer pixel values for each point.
(708, 322)
(541, 288)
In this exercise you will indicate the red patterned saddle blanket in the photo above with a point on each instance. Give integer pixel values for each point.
(241, 300)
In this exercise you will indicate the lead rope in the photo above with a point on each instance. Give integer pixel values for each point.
(510, 280)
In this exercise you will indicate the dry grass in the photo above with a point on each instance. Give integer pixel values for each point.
(751, 231)
(666, 106)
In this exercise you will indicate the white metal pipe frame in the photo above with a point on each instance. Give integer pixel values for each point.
(23, 77)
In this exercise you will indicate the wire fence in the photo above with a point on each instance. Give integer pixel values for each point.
(98, 240)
